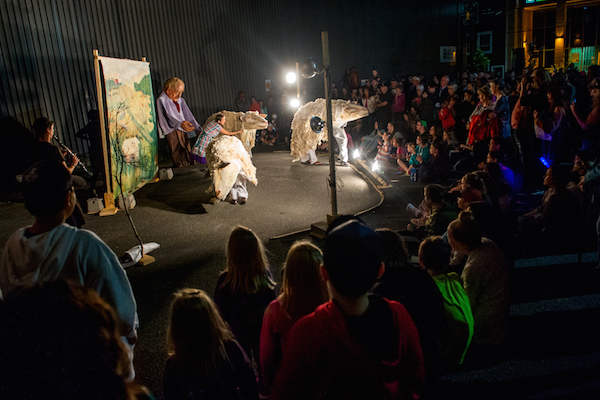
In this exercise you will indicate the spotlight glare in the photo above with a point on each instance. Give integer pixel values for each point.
(291, 77)
(295, 103)
(375, 167)
(356, 154)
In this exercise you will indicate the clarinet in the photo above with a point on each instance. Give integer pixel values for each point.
(68, 150)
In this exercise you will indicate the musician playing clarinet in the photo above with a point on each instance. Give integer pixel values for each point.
(43, 149)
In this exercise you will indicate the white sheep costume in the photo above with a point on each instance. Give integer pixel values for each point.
(227, 158)
(247, 122)
(303, 137)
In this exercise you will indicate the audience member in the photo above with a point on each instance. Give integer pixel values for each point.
(384, 150)
(399, 104)
(61, 340)
(241, 104)
(356, 345)
(245, 288)
(556, 223)
(434, 256)
(497, 189)
(414, 289)
(501, 107)
(438, 167)
(485, 279)
(205, 360)
(383, 111)
(302, 291)
(50, 249)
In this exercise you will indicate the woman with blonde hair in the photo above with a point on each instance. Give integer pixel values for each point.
(245, 288)
(205, 360)
(302, 292)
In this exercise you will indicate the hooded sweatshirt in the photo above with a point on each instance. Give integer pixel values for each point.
(69, 253)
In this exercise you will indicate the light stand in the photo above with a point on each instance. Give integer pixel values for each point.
(330, 137)
(309, 70)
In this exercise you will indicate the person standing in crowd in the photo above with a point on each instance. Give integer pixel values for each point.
(414, 289)
(245, 288)
(302, 291)
(501, 107)
(590, 182)
(205, 360)
(356, 345)
(241, 104)
(383, 111)
(533, 100)
(399, 104)
(254, 105)
(176, 121)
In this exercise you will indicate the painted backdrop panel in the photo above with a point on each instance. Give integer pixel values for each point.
(131, 123)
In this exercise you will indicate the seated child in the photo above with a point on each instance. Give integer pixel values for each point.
(400, 152)
(434, 256)
(383, 150)
(408, 158)
(419, 155)
(269, 137)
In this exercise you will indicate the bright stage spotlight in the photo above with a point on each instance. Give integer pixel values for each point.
(375, 167)
(295, 103)
(356, 154)
(291, 77)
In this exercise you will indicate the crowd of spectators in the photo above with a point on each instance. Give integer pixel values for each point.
(355, 319)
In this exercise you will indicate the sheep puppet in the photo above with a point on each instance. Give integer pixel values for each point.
(305, 139)
(228, 156)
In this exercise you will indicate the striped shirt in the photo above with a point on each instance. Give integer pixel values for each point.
(212, 130)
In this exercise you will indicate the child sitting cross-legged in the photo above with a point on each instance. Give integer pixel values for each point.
(419, 154)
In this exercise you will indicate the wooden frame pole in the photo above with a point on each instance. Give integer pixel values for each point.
(109, 198)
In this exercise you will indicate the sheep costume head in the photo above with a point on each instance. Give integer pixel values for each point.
(303, 137)
(226, 157)
(248, 122)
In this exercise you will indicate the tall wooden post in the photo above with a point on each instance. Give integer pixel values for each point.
(109, 198)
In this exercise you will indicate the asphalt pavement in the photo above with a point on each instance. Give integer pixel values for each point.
(555, 314)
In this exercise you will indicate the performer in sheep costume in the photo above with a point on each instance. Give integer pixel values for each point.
(230, 166)
(305, 141)
(247, 122)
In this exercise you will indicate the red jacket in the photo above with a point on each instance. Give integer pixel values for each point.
(324, 358)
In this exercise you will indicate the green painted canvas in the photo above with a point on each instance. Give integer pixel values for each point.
(131, 124)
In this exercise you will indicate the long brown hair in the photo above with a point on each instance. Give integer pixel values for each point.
(302, 289)
(197, 333)
(247, 265)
